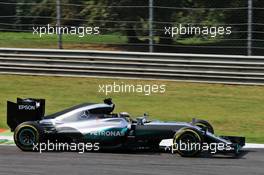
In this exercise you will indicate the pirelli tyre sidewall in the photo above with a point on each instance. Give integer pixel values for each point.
(187, 136)
(26, 135)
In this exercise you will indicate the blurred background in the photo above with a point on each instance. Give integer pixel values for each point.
(136, 25)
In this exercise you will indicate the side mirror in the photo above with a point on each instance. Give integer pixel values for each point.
(205, 129)
(108, 101)
(141, 120)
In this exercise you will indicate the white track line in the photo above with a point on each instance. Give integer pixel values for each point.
(9, 138)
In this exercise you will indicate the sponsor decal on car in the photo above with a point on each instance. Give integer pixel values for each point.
(26, 107)
(108, 133)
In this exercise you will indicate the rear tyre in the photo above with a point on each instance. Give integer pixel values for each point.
(187, 142)
(204, 125)
(26, 135)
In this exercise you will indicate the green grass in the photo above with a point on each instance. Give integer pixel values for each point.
(195, 41)
(117, 41)
(28, 40)
(233, 110)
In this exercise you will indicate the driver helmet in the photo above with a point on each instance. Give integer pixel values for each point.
(124, 114)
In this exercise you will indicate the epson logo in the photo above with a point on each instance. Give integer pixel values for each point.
(27, 107)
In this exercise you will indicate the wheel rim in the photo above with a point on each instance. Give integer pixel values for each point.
(189, 138)
(27, 137)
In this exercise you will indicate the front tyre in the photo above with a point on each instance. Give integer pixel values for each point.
(26, 135)
(187, 142)
(205, 125)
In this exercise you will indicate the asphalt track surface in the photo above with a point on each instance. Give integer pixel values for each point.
(14, 161)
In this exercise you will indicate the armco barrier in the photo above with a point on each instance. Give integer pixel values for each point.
(181, 67)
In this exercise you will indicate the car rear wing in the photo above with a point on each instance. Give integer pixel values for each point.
(28, 109)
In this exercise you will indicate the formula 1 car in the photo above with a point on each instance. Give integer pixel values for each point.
(92, 123)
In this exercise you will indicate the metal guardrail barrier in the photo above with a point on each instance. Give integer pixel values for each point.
(179, 67)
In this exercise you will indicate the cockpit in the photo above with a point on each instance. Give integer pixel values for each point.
(85, 112)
